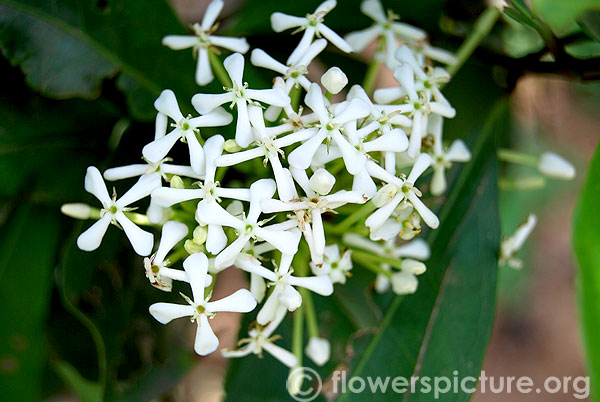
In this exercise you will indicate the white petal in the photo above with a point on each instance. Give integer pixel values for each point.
(325, 7)
(213, 147)
(301, 157)
(363, 184)
(280, 22)
(142, 188)
(405, 76)
(166, 103)
(318, 349)
(378, 218)
(216, 239)
(413, 267)
(421, 164)
(241, 301)
(160, 125)
(318, 236)
(260, 58)
(393, 141)
(234, 64)
(196, 268)
(233, 353)
(239, 45)
(204, 74)
(284, 180)
(303, 45)
(216, 118)
(166, 312)
(429, 217)
(290, 298)
(125, 172)
(417, 248)
(334, 38)
(388, 95)
(360, 39)
(404, 283)
(286, 242)
(243, 131)
(554, 165)
(416, 135)
(241, 194)
(438, 180)
(141, 240)
(314, 100)
(205, 103)
(227, 257)
(178, 42)
(281, 354)
(374, 9)
(157, 214)
(390, 229)
(212, 12)
(319, 284)
(158, 149)
(353, 158)
(273, 96)
(406, 31)
(258, 287)
(313, 50)
(405, 55)
(166, 196)
(442, 109)
(269, 310)
(92, 237)
(206, 341)
(356, 109)
(94, 184)
(211, 213)
(458, 152)
(172, 233)
(259, 190)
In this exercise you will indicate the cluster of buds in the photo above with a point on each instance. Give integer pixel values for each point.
(339, 183)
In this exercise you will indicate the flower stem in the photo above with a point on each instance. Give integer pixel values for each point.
(311, 315)
(519, 158)
(369, 262)
(356, 216)
(522, 183)
(481, 29)
(177, 255)
(219, 69)
(371, 77)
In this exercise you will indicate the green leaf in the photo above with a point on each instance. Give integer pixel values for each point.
(445, 326)
(559, 14)
(586, 238)
(66, 49)
(590, 22)
(27, 250)
(86, 390)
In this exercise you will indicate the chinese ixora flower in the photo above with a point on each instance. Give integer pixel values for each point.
(303, 190)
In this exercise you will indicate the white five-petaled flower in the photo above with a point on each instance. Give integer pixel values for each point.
(443, 159)
(387, 27)
(335, 264)
(261, 338)
(113, 211)
(184, 128)
(211, 213)
(410, 255)
(203, 39)
(510, 245)
(312, 25)
(284, 293)
(200, 309)
(398, 190)
(330, 123)
(240, 96)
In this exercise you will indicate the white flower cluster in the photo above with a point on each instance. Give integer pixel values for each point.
(360, 158)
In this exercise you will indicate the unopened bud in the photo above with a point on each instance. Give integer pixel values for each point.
(231, 146)
(318, 349)
(413, 266)
(404, 283)
(322, 181)
(200, 234)
(235, 208)
(192, 247)
(177, 182)
(334, 80)
(554, 165)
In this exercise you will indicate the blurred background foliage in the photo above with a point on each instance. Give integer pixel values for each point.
(79, 81)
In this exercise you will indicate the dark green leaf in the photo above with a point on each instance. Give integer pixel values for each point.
(590, 22)
(445, 326)
(27, 250)
(560, 14)
(586, 238)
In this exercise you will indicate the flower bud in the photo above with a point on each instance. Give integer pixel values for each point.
(334, 80)
(322, 181)
(384, 195)
(231, 146)
(200, 234)
(404, 283)
(413, 266)
(176, 182)
(235, 208)
(77, 210)
(192, 247)
(554, 165)
(318, 349)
